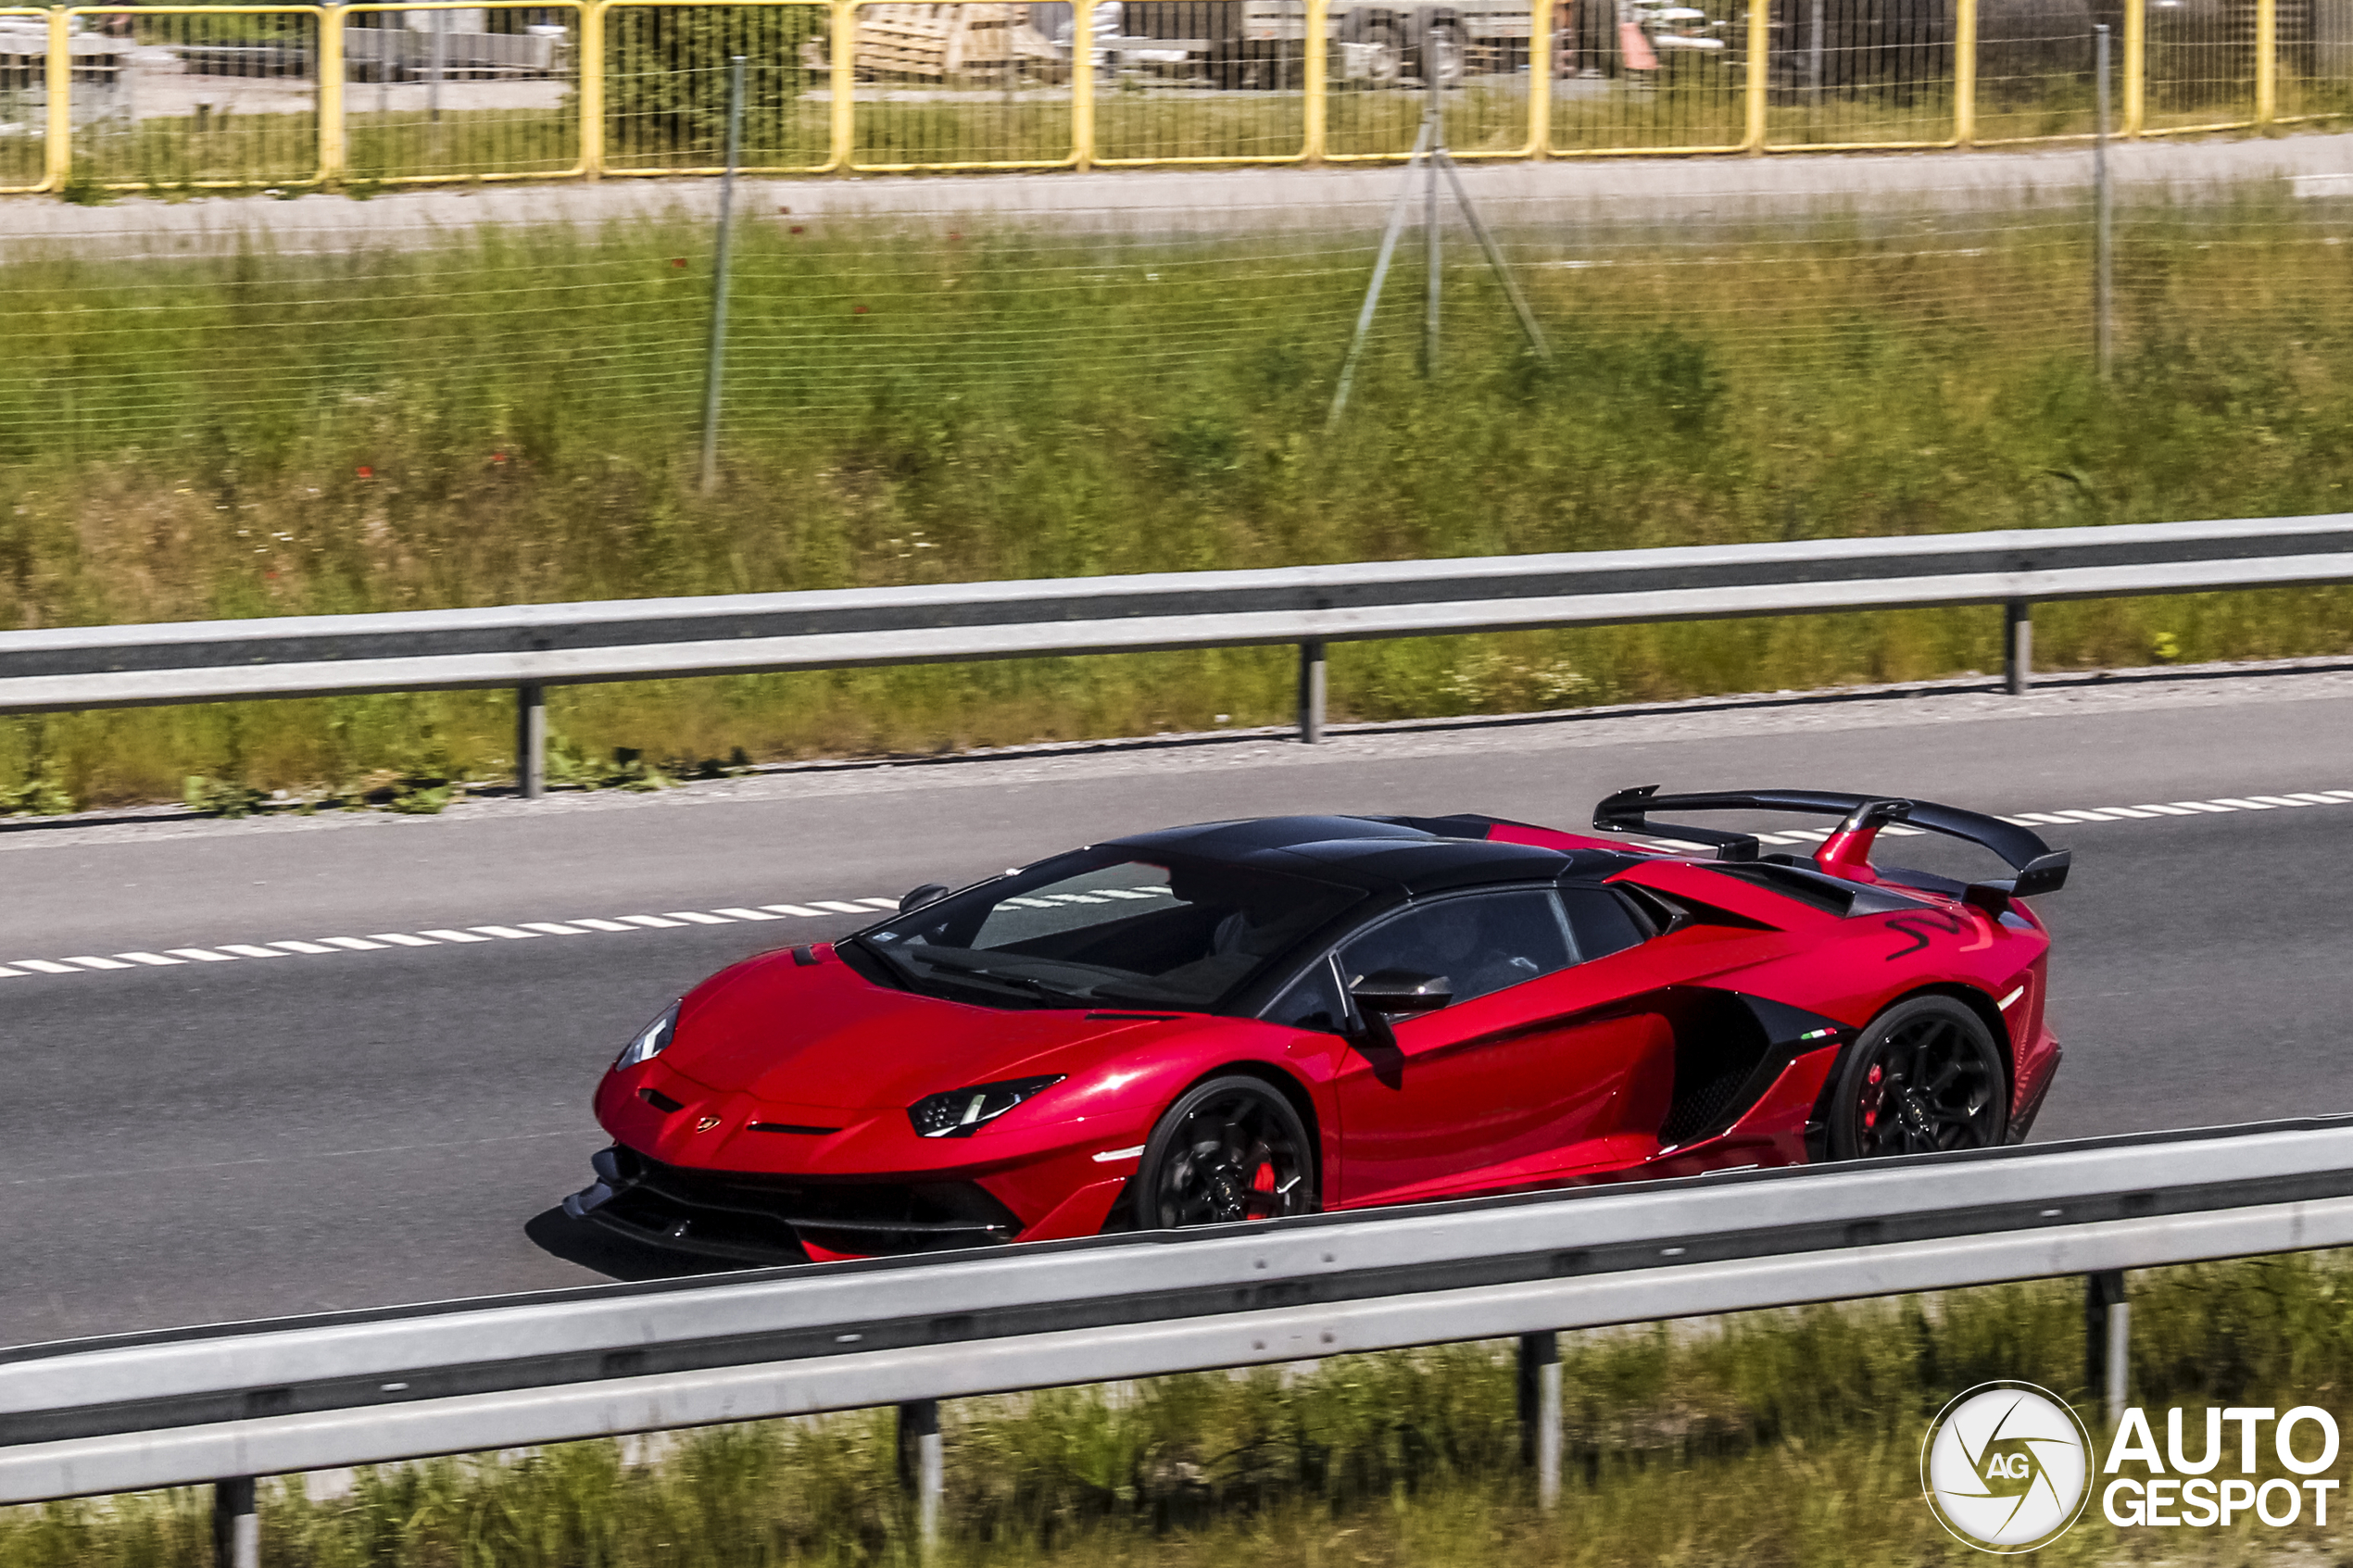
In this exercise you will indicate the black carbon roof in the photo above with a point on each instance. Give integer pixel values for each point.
(1417, 855)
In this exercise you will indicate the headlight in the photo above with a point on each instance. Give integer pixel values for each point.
(650, 1040)
(960, 1112)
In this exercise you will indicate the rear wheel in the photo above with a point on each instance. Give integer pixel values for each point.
(1925, 1075)
(1227, 1150)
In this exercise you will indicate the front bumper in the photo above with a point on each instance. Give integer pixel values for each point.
(763, 1218)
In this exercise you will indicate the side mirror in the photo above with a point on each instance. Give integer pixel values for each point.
(1396, 993)
(929, 892)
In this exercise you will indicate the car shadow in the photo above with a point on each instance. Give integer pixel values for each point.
(592, 1246)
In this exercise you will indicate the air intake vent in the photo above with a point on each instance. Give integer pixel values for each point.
(790, 1128)
(659, 1100)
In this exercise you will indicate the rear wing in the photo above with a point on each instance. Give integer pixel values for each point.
(2038, 867)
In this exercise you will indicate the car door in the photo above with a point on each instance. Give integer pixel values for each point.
(1541, 1063)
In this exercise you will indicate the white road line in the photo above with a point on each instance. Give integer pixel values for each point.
(678, 920)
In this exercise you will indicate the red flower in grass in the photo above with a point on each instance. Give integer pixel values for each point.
(364, 472)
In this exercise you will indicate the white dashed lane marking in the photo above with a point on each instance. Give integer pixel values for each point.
(230, 952)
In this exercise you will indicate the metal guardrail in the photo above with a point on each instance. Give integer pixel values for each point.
(534, 646)
(131, 100)
(229, 1403)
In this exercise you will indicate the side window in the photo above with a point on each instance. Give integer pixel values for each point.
(1481, 943)
(1312, 1002)
(1600, 922)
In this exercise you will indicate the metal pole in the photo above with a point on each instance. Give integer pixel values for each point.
(2017, 644)
(236, 1527)
(715, 363)
(922, 1468)
(1539, 1413)
(1380, 276)
(2108, 1341)
(2103, 197)
(531, 742)
(1436, 114)
(437, 58)
(1310, 693)
(1495, 259)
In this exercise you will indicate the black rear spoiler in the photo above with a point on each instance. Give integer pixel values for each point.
(2039, 867)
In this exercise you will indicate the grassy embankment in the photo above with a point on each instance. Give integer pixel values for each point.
(513, 419)
(1768, 1440)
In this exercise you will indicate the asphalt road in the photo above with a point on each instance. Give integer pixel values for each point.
(375, 1122)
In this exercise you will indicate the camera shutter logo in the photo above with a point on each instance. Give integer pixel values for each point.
(2007, 1467)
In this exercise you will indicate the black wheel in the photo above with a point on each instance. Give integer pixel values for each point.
(1229, 1149)
(1924, 1076)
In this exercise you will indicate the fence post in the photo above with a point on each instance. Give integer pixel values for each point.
(2136, 62)
(1760, 42)
(592, 89)
(842, 62)
(2108, 1341)
(1540, 79)
(332, 156)
(1539, 1413)
(1315, 64)
(2017, 644)
(531, 742)
(236, 1528)
(921, 1466)
(1082, 84)
(2267, 61)
(58, 148)
(1310, 693)
(2103, 216)
(1965, 74)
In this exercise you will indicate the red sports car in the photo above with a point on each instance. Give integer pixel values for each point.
(1251, 1019)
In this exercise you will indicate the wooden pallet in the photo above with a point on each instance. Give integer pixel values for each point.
(937, 41)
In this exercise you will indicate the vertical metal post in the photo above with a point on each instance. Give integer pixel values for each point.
(437, 60)
(715, 358)
(531, 741)
(1542, 54)
(921, 1467)
(333, 157)
(2267, 61)
(58, 77)
(2017, 644)
(2136, 65)
(1437, 113)
(2108, 1341)
(2104, 226)
(1813, 58)
(236, 1527)
(1760, 42)
(843, 75)
(1314, 64)
(1312, 690)
(592, 90)
(1082, 84)
(1539, 1413)
(1965, 73)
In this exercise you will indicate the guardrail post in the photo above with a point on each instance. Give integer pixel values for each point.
(334, 153)
(236, 1527)
(1310, 693)
(1539, 1413)
(921, 1466)
(2108, 1341)
(59, 82)
(2017, 644)
(531, 742)
(1315, 62)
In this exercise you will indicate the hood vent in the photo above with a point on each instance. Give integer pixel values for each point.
(790, 1128)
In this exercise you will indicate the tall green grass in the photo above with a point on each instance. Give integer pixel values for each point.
(1770, 1439)
(512, 419)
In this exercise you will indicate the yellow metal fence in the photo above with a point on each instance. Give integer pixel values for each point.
(235, 95)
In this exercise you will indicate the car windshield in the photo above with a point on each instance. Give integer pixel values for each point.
(1104, 927)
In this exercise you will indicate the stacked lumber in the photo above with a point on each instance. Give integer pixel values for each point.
(946, 40)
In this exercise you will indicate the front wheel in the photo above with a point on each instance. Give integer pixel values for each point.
(1924, 1076)
(1229, 1149)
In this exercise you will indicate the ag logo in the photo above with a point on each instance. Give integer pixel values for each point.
(2007, 1467)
